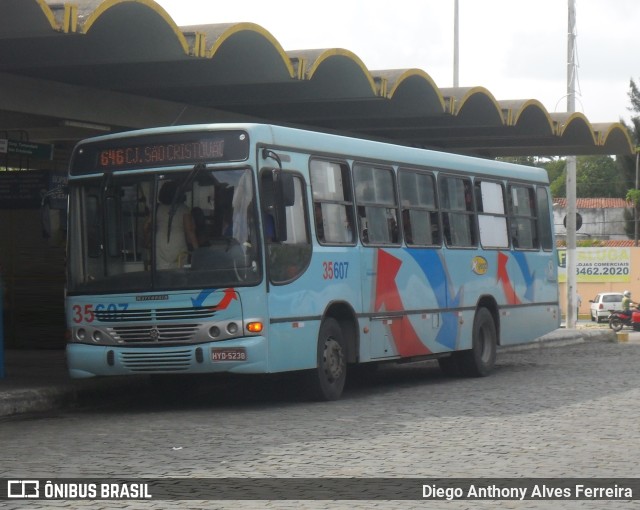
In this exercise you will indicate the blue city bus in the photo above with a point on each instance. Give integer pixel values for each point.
(279, 249)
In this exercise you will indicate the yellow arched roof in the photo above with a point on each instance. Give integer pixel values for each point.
(141, 69)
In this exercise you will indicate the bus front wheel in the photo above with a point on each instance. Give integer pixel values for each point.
(328, 378)
(480, 359)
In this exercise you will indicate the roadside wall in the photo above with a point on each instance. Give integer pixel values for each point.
(607, 269)
(32, 268)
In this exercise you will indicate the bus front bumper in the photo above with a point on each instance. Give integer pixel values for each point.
(240, 356)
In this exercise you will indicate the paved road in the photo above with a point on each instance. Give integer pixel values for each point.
(568, 411)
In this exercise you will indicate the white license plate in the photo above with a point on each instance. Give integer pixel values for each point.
(228, 354)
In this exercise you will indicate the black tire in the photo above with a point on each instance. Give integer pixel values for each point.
(615, 324)
(481, 358)
(326, 381)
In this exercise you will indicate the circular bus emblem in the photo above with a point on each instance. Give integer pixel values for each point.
(479, 265)
(154, 334)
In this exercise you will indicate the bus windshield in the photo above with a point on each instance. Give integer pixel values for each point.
(150, 232)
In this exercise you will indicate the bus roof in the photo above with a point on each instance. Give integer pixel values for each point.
(347, 147)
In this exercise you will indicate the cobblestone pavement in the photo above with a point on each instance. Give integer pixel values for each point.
(566, 412)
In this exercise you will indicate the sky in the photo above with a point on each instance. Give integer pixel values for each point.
(517, 49)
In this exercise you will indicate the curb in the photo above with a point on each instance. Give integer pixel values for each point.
(562, 337)
(65, 396)
(23, 401)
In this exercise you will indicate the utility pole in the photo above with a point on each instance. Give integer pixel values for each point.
(635, 202)
(456, 48)
(571, 174)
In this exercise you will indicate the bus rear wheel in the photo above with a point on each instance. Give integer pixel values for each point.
(481, 358)
(328, 378)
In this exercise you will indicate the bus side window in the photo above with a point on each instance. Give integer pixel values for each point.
(287, 259)
(524, 230)
(377, 206)
(93, 226)
(332, 202)
(458, 217)
(492, 216)
(544, 219)
(420, 217)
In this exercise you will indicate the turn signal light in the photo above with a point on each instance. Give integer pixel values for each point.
(254, 327)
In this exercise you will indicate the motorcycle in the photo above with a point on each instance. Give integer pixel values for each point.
(619, 319)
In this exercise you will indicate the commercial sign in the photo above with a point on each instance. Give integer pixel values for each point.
(30, 149)
(609, 264)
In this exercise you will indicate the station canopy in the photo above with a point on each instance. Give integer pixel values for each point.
(70, 70)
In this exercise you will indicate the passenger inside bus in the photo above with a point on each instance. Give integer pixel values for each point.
(200, 226)
(174, 228)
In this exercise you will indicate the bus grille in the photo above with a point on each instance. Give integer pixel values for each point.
(140, 361)
(160, 314)
(154, 334)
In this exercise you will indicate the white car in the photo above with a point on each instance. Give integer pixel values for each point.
(603, 303)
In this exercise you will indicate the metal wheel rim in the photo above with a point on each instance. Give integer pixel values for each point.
(485, 351)
(332, 360)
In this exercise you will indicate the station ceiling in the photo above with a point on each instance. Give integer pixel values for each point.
(69, 70)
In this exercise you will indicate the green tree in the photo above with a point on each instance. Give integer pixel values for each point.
(627, 164)
(555, 167)
(557, 171)
(596, 176)
(634, 97)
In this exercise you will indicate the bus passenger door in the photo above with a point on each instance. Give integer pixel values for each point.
(381, 299)
(378, 226)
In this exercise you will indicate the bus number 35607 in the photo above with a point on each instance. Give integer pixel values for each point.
(335, 270)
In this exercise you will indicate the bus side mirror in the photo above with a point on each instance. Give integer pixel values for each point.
(284, 192)
(283, 196)
(52, 221)
(288, 192)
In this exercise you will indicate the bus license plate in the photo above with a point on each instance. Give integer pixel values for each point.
(228, 354)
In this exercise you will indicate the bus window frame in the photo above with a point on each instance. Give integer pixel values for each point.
(436, 210)
(548, 218)
(467, 176)
(266, 244)
(350, 207)
(396, 204)
(532, 192)
(505, 214)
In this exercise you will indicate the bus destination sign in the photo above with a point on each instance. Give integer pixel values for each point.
(160, 151)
